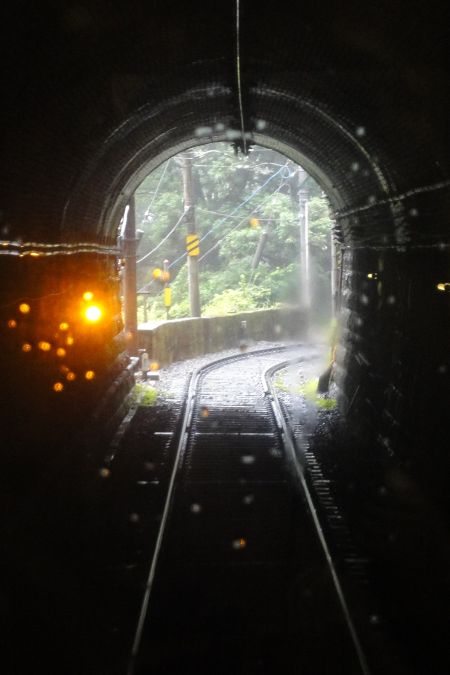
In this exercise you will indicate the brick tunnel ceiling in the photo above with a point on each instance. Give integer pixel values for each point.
(96, 93)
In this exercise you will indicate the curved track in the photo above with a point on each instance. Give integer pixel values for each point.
(241, 579)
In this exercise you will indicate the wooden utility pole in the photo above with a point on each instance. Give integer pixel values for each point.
(303, 220)
(129, 291)
(189, 205)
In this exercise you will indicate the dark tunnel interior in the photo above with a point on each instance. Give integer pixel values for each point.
(98, 94)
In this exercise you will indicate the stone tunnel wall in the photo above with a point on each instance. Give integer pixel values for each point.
(186, 338)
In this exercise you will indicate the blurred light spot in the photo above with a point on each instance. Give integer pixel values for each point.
(239, 544)
(34, 254)
(26, 347)
(203, 131)
(88, 296)
(442, 369)
(58, 386)
(247, 459)
(196, 508)
(71, 376)
(372, 275)
(12, 323)
(382, 491)
(355, 166)
(156, 274)
(154, 366)
(134, 518)
(64, 369)
(104, 472)
(372, 199)
(44, 346)
(364, 299)
(443, 286)
(204, 412)
(220, 126)
(413, 212)
(374, 619)
(61, 352)
(390, 300)
(63, 326)
(70, 341)
(360, 131)
(261, 125)
(89, 375)
(93, 313)
(254, 222)
(359, 321)
(277, 329)
(248, 499)
(149, 466)
(24, 308)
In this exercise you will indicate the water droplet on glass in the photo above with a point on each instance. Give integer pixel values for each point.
(204, 412)
(203, 131)
(364, 299)
(239, 544)
(355, 166)
(220, 126)
(260, 125)
(371, 199)
(442, 369)
(149, 466)
(134, 518)
(360, 131)
(414, 212)
(196, 508)
(359, 321)
(390, 300)
(277, 329)
(248, 499)
(104, 472)
(374, 619)
(247, 459)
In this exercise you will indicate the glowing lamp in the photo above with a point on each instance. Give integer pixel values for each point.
(58, 386)
(89, 375)
(156, 273)
(24, 308)
(93, 313)
(88, 296)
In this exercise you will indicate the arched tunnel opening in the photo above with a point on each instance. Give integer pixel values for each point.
(359, 98)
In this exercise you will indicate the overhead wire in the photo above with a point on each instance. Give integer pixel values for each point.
(164, 239)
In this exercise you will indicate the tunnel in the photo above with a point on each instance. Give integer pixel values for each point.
(97, 95)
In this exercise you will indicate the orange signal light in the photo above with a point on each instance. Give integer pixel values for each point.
(93, 313)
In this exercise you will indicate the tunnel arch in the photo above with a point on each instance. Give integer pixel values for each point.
(359, 98)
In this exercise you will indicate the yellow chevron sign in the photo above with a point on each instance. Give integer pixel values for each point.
(192, 244)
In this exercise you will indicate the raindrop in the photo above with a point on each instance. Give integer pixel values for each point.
(360, 131)
(134, 518)
(382, 491)
(277, 329)
(196, 508)
(364, 299)
(220, 126)
(239, 544)
(204, 412)
(414, 212)
(359, 321)
(261, 125)
(442, 369)
(203, 131)
(374, 619)
(247, 459)
(372, 199)
(355, 166)
(391, 300)
(149, 466)
(104, 472)
(232, 134)
(248, 499)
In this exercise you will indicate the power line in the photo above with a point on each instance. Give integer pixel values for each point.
(164, 239)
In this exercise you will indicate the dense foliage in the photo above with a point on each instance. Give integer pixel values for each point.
(237, 198)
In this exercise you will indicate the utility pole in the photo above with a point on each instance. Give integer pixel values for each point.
(129, 244)
(303, 220)
(191, 239)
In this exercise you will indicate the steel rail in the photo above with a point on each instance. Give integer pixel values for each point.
(183, 436)
(289, 443)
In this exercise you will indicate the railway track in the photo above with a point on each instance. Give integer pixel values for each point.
(241, 578)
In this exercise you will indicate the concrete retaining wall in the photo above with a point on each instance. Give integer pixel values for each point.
(169, 341)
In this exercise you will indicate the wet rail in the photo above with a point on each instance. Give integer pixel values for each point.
(241, 578)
